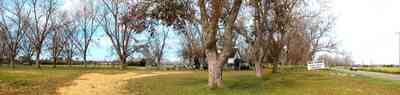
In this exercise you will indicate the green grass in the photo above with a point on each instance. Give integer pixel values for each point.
(393, 70)
(328, 83)
(236, 83)
(27, 80)
(285, 83)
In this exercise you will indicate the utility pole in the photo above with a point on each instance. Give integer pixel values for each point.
(398, 33)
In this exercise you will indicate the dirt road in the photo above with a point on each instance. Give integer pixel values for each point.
(370, 74)
(104, 84)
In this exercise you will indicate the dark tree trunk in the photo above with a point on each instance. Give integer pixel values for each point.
(275, 68)
(12, 54)
(69, 62)
(12, 63)
(37, 61)
(55, 62)
(84, 59)
(122, 63)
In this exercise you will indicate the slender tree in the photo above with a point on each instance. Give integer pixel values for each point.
(120, 28)
(257, 46)
(43, 14)
(87, 28)
(3, 36)
(60, 36)
(14, 26)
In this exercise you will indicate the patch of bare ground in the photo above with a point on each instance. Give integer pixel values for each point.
(104, 84)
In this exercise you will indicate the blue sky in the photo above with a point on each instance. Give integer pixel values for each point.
(366, 28)
(101, 48)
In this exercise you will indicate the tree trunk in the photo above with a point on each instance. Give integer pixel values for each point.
(214, 71)
(158, 61)
(69, 59)
(12, 62)
(212, 61)
(275, 67)
(54, 62)
(210, 29)
(37, 61)
(122, 63)
(218, 74)
(69, 63)
(258, 46)
(190, 59)
(259, 69)
(202, 63)
(84, 60)
(12, 56)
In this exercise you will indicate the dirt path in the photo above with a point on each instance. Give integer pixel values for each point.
(103, 84)
(370, 74)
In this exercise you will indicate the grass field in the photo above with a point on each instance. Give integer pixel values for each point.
(285, 83)
(30, 81)
(393, 70)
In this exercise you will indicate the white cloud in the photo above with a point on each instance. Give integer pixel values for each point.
(72, 5)
(104, 42)
(367, 28)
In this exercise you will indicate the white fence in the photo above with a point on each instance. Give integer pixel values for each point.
(315, 66)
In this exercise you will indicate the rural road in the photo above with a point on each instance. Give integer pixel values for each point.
(104, 84)
(369, 74)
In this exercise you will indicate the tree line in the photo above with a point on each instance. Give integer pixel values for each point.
(262, 31)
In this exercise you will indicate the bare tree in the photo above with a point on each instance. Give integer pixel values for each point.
(60, 36)
(14, 26)
(43, 13)
(3, 36)
(70, 34)
(2, 47)
(298, 46)
(120, 28)
(319, 23)
(336, 59)
(155, 45)
(193, 49)
(257, 48)
(319, 32)
(282, 22)
(160, 47)
(210, 21)
(3, 56)
(174, 14)
(273, 20)
(70, 46)
(26, 50)
(87, 27)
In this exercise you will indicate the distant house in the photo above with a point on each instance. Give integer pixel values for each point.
(231, 60)
(235, 55)
(236, 60)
